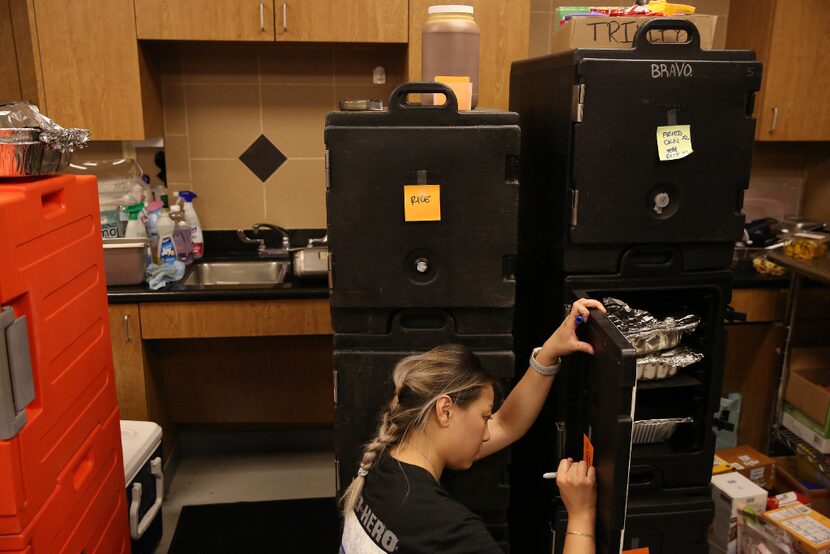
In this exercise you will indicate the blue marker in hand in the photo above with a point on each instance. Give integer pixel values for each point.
(579, 319)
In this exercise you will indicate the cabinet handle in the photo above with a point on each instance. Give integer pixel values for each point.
(262, 17)
(284, 16)
(774, 120)
(127, 336)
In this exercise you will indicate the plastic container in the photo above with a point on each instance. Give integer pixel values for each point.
(807, 246)
(450, 46)
(135, 228)
(141, 443)
(181, 235)
(196, 237)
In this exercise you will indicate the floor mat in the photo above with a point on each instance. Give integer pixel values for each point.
(298, 526)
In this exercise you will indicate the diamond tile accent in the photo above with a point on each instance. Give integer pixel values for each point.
(263, 158)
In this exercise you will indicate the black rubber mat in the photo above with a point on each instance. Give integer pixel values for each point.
(298, 526)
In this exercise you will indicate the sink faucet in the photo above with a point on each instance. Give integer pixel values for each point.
(280, 252)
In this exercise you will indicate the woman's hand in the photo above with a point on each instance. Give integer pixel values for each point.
(578, 486)
(564, 341)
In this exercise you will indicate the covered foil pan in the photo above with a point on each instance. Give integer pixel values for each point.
(645, 332)
(662, 365)
(22, 154)
(649, 431)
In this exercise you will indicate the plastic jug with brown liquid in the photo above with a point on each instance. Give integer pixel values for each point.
(450, 45)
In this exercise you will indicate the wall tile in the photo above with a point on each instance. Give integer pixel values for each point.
(177, 158)
(353, 65)
(222, 120)
(283, 64)
(293, 118)
(172, 98)
(220, 63)
(295, 196)
(230, 196)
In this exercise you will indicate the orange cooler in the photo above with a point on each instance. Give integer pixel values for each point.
(56, 450)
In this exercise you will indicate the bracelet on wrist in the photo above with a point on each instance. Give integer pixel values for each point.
(546, 370)
(580, 534)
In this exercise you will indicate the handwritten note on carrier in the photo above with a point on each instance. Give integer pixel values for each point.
(422, 202)
(674, 142)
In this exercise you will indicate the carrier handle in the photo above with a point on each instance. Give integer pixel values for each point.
(138, 528)
(16, 379)
(422, 321)
(648, 260)
(398, 103)
(641, 41)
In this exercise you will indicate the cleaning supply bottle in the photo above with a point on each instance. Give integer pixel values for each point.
(135, 228)
(196, 236)
(166, 249)
(160, 193)
(153, 212)
(181, 234)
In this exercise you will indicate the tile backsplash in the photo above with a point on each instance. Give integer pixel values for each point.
(219, 99)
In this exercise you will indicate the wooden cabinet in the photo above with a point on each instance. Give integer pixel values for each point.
(505, 28)
(792, 40)
(269, 20)
(243, 20)
(342, 20)
(81, 64)
(128, 361)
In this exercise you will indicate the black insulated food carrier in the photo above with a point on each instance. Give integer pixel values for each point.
(422, 204)
(593, 184)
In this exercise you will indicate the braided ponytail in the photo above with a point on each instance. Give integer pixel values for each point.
(450, 369)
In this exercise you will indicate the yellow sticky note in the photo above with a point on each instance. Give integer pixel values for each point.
(674, 142)
(422, 202)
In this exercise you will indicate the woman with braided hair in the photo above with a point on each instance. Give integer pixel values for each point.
(441, 416)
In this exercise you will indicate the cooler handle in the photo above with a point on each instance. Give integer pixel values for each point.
(422, 321)
(641, 41)
(398, 103)
(138, 528)
(649, 260)
(16, 382)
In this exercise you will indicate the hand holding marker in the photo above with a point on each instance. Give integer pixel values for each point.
(552, 474)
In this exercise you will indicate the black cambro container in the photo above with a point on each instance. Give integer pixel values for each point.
(593, 183)
(674, 522)
(422, 204)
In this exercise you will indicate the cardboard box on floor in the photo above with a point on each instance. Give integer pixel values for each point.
(750, 463)
(789, 478)
(618, 32)
(808, 387)
(730, 493)
(810, 528)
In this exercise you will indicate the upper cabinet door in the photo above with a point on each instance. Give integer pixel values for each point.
(607, 420)
(505, 31)
(243, 20)
(792, 43)
(342, 20)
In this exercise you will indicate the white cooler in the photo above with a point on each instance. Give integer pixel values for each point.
(141, 443)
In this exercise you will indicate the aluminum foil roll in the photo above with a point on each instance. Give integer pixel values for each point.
(650, 431)
(662, 365)
(645, 332)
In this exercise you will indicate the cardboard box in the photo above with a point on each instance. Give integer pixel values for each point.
(805, 433)
(750, 463)
(789, 477)
(618, 32)
(808, 387)
(808, 527)
(732, 492)
(814, 425)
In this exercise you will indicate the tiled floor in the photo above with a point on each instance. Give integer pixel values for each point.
(218, 478)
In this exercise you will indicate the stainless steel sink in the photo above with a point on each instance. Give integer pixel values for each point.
(242, 274)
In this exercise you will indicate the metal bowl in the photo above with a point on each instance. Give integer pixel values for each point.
(22, 154)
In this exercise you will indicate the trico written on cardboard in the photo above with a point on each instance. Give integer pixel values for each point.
(618, 32)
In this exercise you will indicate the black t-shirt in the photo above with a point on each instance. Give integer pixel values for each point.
(403, 509)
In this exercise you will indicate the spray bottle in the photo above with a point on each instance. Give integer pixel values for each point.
(166, 250)
(196, 236)
(181, 234)
(135, 228)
